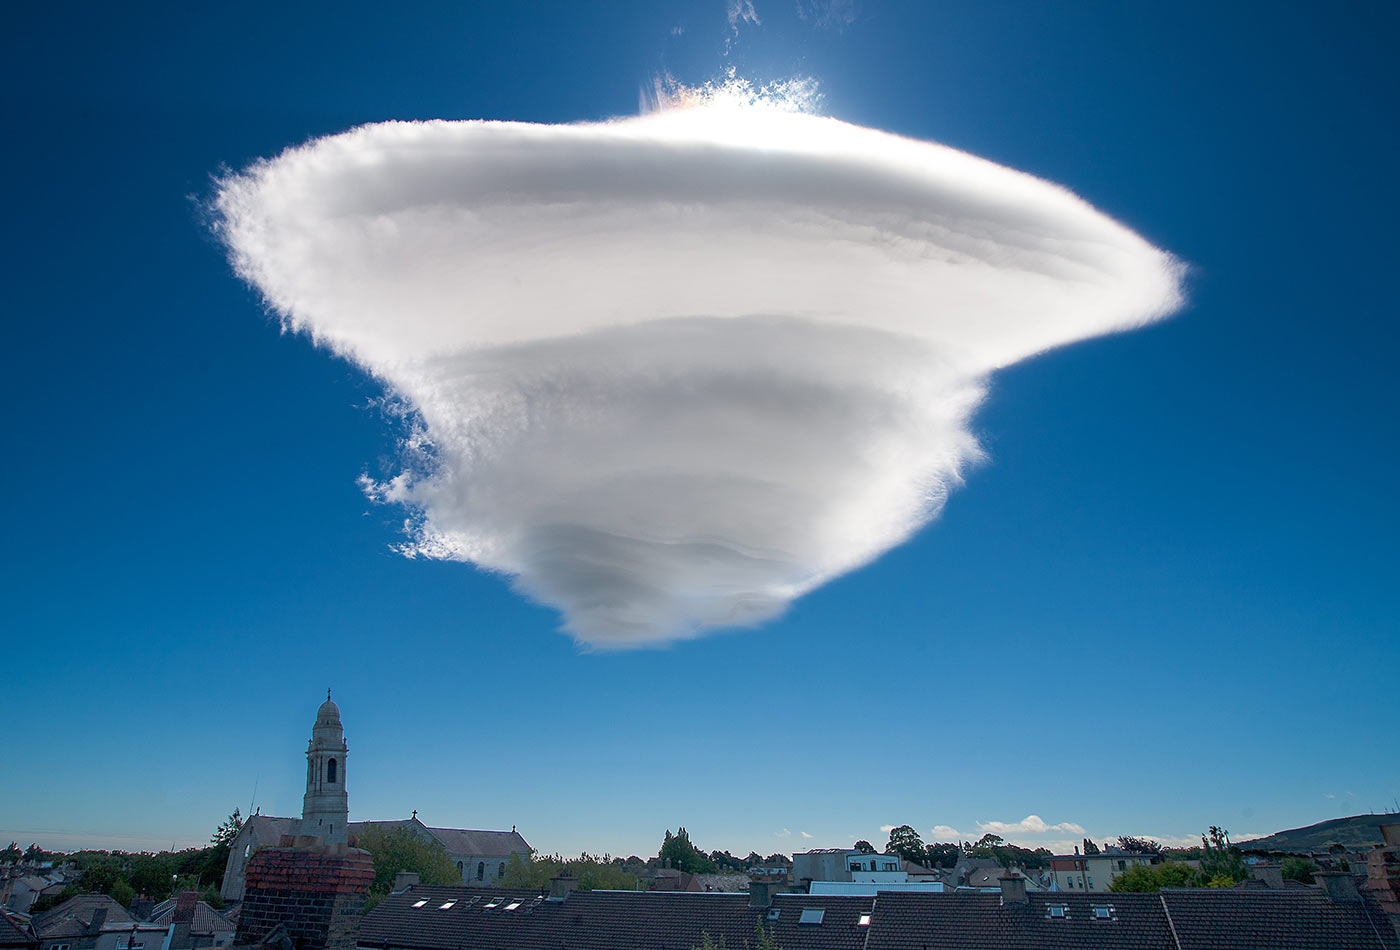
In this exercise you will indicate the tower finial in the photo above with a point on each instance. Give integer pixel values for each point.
(328, 694)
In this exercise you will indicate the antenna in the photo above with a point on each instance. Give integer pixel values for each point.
(254, 799)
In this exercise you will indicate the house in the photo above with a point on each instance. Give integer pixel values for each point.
(480, 856)
(80, 922)
(207, 927)
(1095, 872)
(844, 864)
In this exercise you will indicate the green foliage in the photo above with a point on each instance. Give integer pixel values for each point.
(762, 940)
(1139, 845)
(1090, 847)
(1220, 860)
(864, 847)
(905, 842)
(53, 900)
(399, 849)
(1007, 855)
(941, 856)
(1145, 878)
(12, 854)
(1299, 869)
(593, 872)
(681, 854)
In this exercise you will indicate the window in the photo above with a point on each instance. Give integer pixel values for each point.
(1057, 910)
(247, 851)
(501, 871)
(1103, 913)
(1122, 865)
(420, 903)
(1091, 883)
(512, 905)
(493, 903)
(460, 872)
(812, 915)
(856, 867)
(447, 905)
(864, 921)
(481, 870)
(330, 770)
(889, 866)
(773, 914)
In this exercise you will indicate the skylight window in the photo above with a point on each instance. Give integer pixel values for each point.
(512, 905)
(1103, 913)
(812, 915)
(493, 903)
(1057, 910)
(773, 914)
(447, 905)
(420, 903)
(864, 921)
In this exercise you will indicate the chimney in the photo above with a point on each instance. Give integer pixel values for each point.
(762, 888)
(1383, 874)
(562, 886)
(1339, 885)
(183, 920)
(1013, 889)
(404, 880)
(1270, 873)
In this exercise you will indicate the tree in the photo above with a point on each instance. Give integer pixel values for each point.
(399, 849)
(905, 842)
(865, 847)
(592, 872)
(1090, 847)
(941, 856)
(1146, 878)
(1222, 865)
(1298, 869)
(678, 852)
(987, 842)
(1139, 845)
(223, 835)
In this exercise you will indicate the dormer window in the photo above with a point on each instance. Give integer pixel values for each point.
(1059, 911)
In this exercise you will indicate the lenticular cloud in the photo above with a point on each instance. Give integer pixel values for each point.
(671, 372)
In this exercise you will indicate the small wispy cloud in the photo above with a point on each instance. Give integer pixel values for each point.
(742, 12)
(805, 835)
(888, 828)
(828, 14)
(785, 833)
(945, 833)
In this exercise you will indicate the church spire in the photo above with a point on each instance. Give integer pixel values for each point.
(325, 808)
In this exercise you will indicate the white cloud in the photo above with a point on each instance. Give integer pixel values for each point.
(888, 828)
(1029, 825)
(785, 833)
(671, 372)
(805, 835)
(945, 833)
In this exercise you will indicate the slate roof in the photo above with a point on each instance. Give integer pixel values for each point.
(1239, 919)
(207, 920)
(1194, 919)
(73, 916)
(465, 841)
(966, 921)
(14, 932)
(604, 920)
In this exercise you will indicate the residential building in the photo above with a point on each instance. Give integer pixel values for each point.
(843, 864)
(1095, 872)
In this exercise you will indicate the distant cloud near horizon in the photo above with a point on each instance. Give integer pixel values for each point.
(1029, 825)
(671, 372)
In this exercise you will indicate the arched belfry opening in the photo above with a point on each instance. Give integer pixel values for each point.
(330, 771)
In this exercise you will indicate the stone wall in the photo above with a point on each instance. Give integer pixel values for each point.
(316, 894)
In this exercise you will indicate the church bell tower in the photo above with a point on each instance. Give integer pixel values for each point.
(325, 810)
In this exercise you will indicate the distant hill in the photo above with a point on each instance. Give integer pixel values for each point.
(1356, 832)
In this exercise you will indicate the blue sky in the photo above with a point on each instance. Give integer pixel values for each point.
(1166, 600)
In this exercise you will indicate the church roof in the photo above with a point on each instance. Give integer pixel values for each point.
(463, 841)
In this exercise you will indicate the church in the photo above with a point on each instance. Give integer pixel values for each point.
(480, 856)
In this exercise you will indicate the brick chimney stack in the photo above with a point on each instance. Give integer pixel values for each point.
(1383, 874)
(562, 886)
(763, 887)
(1013, 889)
(183, 920)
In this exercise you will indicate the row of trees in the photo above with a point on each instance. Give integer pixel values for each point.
(906, 842)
